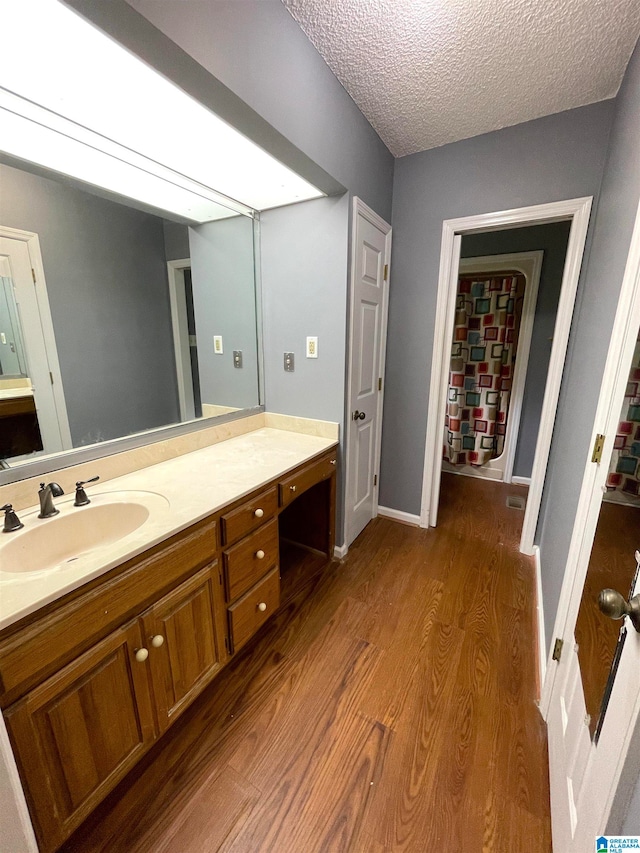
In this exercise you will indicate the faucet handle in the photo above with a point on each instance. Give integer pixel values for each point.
(81, 495)
(11, 520)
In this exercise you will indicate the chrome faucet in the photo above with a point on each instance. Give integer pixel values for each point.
(47, 494)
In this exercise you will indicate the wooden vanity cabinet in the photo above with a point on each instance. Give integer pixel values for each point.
(77, 734)
(91, 681)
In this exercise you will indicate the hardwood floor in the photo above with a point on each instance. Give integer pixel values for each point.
(388, 707)
(612, 565)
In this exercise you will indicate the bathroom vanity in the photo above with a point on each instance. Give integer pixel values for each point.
(93, 676)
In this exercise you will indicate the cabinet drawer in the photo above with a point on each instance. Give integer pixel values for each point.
(247, 614)
(306, 477)
(250, 515)
(246, 562)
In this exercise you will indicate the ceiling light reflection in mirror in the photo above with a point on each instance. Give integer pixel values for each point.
(81, 79)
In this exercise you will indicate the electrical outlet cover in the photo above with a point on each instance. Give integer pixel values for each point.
(312, 347)
(217, 344)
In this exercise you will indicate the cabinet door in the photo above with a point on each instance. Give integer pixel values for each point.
(182, 634)
(77, 734)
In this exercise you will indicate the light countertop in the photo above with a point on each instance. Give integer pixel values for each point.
(193, 486)
(15, 393)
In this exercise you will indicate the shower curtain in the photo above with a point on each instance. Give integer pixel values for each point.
(485, 338)
(624, 471)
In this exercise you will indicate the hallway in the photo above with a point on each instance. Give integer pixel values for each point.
(388, 707)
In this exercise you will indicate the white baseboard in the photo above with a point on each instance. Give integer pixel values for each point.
(340, 551)
(397, 515)
(521, 481)
(542, 642)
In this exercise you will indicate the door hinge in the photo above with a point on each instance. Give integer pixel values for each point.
(33, 275)
(51, 377)
(385, 274)
(380, 383)
(557, 649)
(598, 446)
(375, 479)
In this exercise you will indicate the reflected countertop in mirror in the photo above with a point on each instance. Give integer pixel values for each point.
(154, 322)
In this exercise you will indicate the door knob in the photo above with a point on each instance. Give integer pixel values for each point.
(358, 416)
(614, 605)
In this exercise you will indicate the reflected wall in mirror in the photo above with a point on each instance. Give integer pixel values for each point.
(612, 563)
(121, 318)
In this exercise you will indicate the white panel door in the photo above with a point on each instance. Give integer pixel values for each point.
(42, 369)
(369, 300)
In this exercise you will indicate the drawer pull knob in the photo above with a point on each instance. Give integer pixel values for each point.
(157, 641)
(142, 655)
(258, 513)
(262, 607)
(292, 488)
(260, 554)
(332, 462)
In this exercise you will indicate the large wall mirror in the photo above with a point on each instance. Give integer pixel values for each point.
(140, 322)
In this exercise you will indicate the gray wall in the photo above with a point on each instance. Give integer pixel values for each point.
(550, 159)
(176, 240)
(256, 49)
(552, 240)
(107, 283)
(591, 330)
(304, 279)
(222, 267)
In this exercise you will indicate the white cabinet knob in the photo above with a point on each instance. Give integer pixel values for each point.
(292, 488)
(260, 554)
(258, 513)
(157, 641)
(262, 607)
(142, 655)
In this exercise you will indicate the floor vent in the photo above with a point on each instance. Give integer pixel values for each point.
(516, 502)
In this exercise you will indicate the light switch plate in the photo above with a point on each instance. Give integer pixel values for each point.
(237, 358)
(289, 362)
(312, 347)
(217, 344)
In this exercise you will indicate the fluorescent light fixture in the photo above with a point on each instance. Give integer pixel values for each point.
(77, 102)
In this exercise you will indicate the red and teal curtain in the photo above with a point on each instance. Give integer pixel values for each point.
(624, 471)
(485, 339)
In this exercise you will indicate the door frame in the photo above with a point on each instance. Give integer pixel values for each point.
(45, 322)
(180, 329)
(360, 208)
(575, 210)
(622, 722)
(529, 264)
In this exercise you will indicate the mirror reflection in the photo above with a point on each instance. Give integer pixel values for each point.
(612, 563)
(134, 323)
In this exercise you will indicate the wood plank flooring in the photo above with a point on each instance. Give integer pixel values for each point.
(390, 706)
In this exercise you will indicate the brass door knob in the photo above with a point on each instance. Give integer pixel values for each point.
(615, 606)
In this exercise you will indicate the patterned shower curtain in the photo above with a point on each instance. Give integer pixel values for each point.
(624, 471)
(485, 338)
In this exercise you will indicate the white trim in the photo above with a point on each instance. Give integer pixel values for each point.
(340, 552)
(614, 381)
(521, 481)
(398, 515)
(360, 208)
(30, 238)
(542, 642)
(179, 327)
(578, 211)
(528, 264)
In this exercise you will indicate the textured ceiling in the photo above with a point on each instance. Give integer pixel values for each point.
(428, 72)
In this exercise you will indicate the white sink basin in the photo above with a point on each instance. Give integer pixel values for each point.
(44, 545)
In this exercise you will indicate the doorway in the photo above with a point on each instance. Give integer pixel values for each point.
(36, 382)
(185, 346)
(576, 213)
